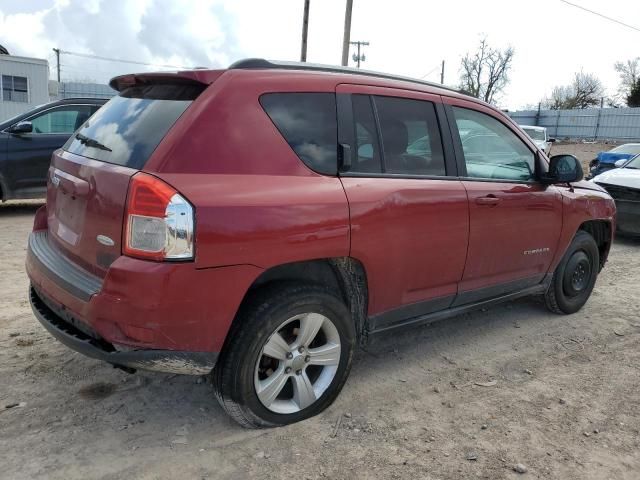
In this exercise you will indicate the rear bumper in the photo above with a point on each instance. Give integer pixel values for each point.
(148, 310)
(92, 345)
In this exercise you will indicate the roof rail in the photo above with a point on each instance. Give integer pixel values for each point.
(261, 63)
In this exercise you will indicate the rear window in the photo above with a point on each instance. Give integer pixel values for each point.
(308, 123)
(129, 127)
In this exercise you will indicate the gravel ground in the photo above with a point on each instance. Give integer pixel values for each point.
(585, 152)
(469, 397)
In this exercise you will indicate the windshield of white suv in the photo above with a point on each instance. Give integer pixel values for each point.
(632, 148)
(634, 163)
(535, 134)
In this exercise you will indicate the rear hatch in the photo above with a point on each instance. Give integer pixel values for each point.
(89, 177)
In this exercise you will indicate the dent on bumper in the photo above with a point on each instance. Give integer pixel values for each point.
(190, 363)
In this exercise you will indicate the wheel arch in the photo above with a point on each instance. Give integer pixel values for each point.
(346, 275)
(601, 231)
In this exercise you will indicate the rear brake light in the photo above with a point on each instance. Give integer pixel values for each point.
(158, 222)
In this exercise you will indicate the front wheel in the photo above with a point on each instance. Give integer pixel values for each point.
(575, 275)
(287, 357)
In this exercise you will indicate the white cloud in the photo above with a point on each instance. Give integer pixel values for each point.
(409, 37)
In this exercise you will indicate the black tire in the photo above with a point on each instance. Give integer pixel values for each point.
(575, 275)
(257, 321)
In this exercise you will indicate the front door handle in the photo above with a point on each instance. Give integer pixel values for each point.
(489, 200)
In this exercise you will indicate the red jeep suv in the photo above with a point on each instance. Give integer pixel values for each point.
(261, 221)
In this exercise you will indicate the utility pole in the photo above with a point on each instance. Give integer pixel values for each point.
(359, 57)
(347, 33)
(305, 29)
(442, 74)
(57, 50)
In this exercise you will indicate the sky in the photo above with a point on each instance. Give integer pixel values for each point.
(552, 40)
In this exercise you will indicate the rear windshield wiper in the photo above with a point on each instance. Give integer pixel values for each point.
(90, 142)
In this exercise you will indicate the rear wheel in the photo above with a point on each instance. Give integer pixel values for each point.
(287, 358)
(575, 276)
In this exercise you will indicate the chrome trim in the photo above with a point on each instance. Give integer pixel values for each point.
(179, 222)
(104, 240)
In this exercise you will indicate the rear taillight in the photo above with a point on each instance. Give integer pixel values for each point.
(158, 222)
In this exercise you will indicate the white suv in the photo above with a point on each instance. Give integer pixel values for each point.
(539, 137)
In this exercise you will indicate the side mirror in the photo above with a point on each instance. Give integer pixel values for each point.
(563, 169)
(620, 163)
(21, 127)
(551, 140)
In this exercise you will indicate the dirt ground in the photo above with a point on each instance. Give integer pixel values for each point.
(585, 152)
(468, 397)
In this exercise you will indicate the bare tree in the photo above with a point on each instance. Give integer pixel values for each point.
(588, 90)
(585, 91)
(629, 72)
(484, 74)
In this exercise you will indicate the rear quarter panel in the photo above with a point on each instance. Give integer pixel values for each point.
(256, 202)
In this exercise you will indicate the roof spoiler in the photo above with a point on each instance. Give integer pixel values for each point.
(188, 77)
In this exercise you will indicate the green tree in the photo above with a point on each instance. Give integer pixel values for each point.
(633, 99)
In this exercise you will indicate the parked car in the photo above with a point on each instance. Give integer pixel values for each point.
(28, 140)
(623, 184)
(607, 160)
(539, 137)
(226, 221)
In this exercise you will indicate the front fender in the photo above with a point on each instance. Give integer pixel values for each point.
(581, 205)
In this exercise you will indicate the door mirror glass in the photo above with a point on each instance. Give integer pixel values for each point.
(564, 169)
(551, 140)
(21, 127)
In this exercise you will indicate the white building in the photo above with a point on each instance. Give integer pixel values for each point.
(24, 83)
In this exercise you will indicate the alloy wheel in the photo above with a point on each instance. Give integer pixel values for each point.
(297, 363)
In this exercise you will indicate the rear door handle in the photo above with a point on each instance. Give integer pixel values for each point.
(489, 200)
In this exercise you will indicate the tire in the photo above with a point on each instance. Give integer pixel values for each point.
(246, 372)
(575, 275)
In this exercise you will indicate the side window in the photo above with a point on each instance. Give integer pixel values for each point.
(491, 150)
(410, 136)
(367, 144)
(307, 121)
(61, 120)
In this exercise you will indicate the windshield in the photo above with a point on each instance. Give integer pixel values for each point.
(634, 163)
(129, 127)
(632, 148)
(535, 134)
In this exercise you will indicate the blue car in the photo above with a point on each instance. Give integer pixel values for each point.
(607, 160)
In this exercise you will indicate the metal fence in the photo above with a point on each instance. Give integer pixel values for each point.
(79, 89)
(621, 124)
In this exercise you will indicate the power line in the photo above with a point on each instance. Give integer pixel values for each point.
(430, 71)
(601, 15)
(98, 57)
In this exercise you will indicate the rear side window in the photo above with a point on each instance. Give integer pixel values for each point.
(408, 141)
(307, 121)
(129, 127)
(368, 159)
(410, 136)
